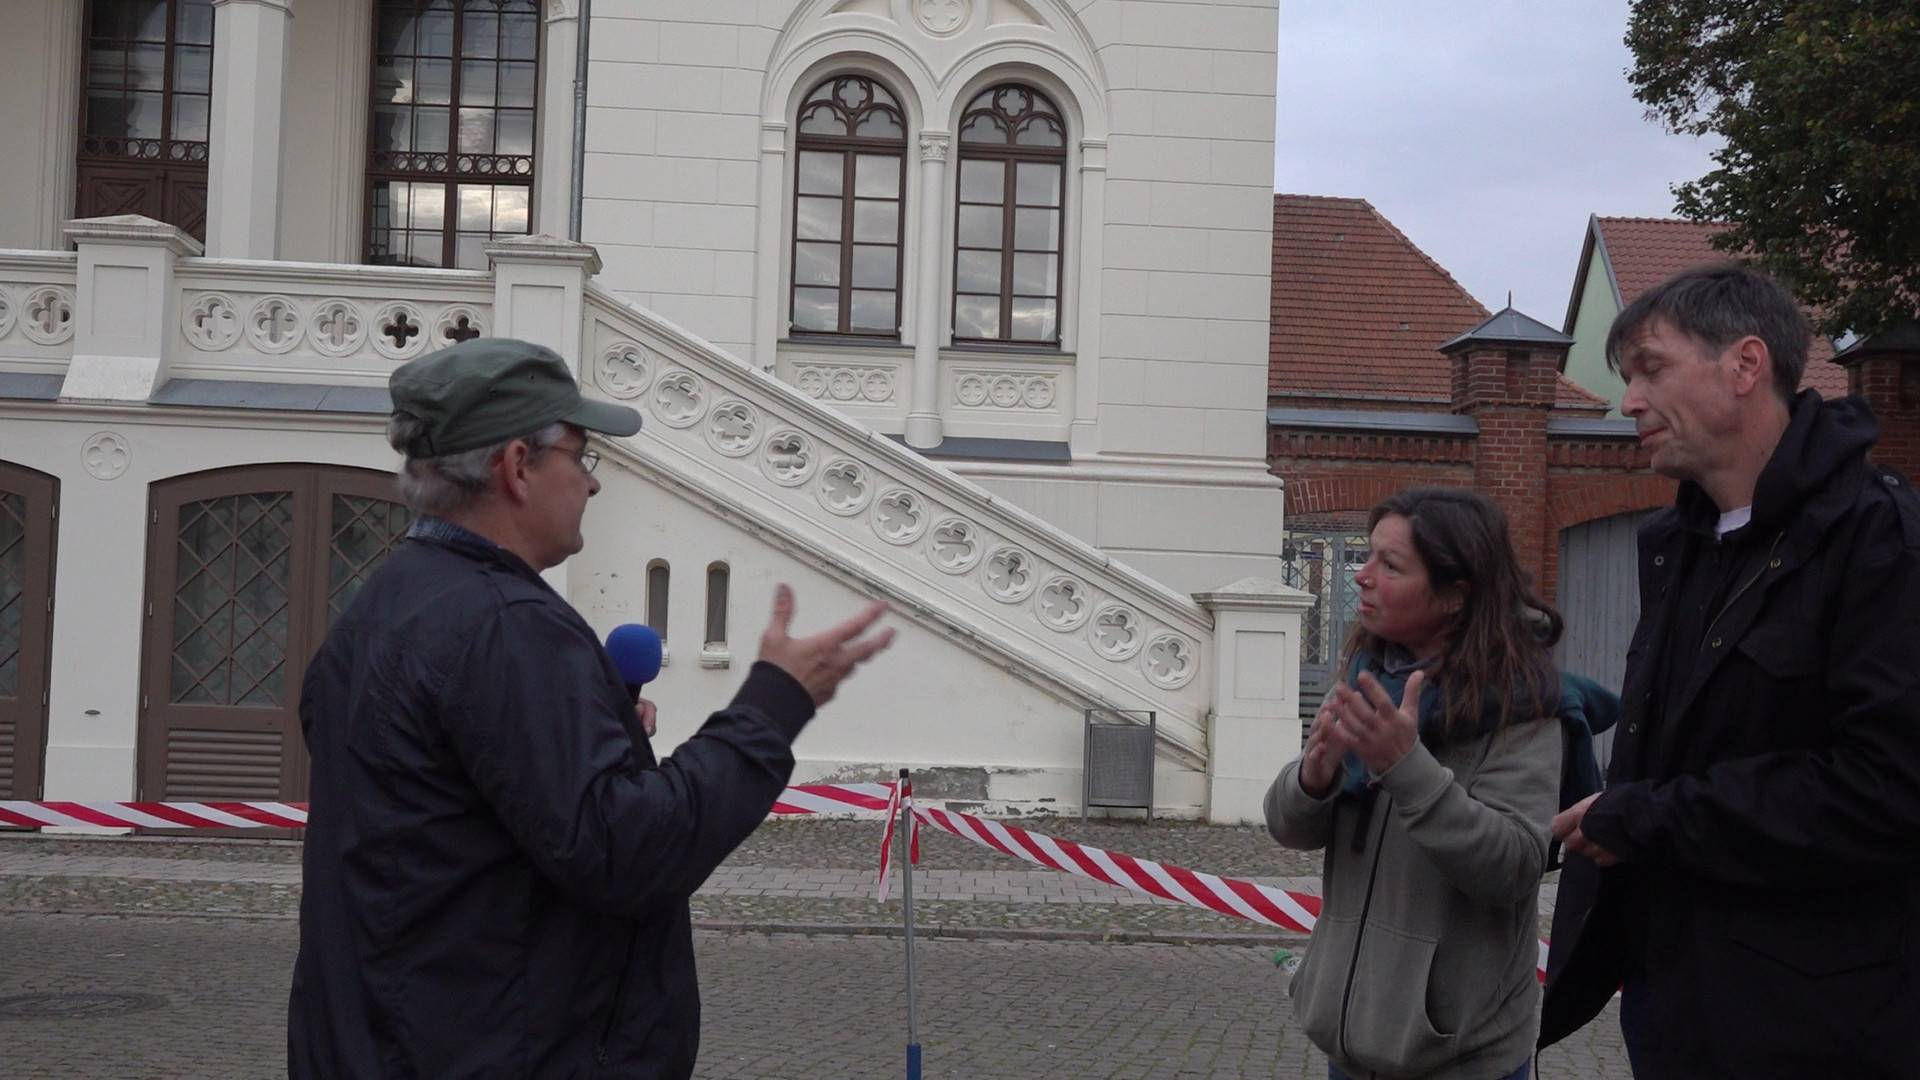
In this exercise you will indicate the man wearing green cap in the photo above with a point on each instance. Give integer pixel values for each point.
(497, 867)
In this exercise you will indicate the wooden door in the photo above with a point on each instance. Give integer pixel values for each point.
(28, 505)
(247, 569)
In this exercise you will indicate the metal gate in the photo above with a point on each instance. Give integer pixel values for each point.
(1599, 598)
(1323, 564)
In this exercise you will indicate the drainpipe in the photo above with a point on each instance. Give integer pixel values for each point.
(578, 197)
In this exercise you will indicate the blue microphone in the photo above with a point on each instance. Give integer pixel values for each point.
(636, 654)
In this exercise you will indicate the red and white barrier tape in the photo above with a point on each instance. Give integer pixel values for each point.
(1262, 904)
(799, 799)
(156, 815)
(1228, 896)
(833, 798)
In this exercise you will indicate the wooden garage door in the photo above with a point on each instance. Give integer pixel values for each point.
(27, 507)
(1599, 598)
(246, 570)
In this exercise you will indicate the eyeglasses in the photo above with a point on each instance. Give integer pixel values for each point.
(589, 459)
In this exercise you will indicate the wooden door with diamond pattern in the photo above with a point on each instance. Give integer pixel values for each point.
(27, 502)
(247, 568)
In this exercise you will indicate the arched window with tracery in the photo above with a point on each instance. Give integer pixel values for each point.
(1013, 156)
(849, 186)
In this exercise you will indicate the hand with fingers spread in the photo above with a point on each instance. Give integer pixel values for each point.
(1320, 761)
(820, 662)
(1368, 722)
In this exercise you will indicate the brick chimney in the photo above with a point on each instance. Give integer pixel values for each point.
(1505, 376)
(1885, 369)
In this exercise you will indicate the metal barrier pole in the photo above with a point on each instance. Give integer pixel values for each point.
(906, 897)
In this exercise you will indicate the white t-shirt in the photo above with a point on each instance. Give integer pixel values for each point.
(1731, 520)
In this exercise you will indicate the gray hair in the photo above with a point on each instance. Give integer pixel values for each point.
(1720, 304)
(442, 485)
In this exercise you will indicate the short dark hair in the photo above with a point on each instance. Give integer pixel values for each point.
(1720, 304)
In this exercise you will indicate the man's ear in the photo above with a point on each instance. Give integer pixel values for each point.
(510, 470)
(1752, 365)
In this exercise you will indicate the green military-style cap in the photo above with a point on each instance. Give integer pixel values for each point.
(489, 390)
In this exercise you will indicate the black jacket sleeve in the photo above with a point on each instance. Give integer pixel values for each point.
(528, 715)
(1814, 817)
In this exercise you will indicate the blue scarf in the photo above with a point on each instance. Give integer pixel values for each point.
(1392, 671)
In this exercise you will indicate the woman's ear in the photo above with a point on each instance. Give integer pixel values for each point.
(1453, 598)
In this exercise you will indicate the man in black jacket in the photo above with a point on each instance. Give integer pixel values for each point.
(497, 868)
(1750, 876)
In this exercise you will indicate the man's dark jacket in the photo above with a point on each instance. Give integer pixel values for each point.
(497, 869)
(1768, 811)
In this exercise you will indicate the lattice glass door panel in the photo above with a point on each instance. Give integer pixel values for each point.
(13, 589)
(27, 501)
(230, 607)
(362, 531)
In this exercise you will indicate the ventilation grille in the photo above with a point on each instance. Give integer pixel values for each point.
(7, 740)
(212, 765)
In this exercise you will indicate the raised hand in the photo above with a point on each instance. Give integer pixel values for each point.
(820, 662)
(1368, 721)
(1320, 760)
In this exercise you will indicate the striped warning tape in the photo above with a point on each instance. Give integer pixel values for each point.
(1235, 897)
(799, 799)
(1263, 904)
(1229, 896)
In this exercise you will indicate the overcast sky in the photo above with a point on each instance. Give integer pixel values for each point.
(1487, 130)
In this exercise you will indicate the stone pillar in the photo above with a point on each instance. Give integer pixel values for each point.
(923, 413)
(539, 292)
(559, 69)
(1084, 436)
(125, 313)
(1254, 728)
(249, 115)
(1885, 369)
(1508, 389)
(539, 295)
(769, 299)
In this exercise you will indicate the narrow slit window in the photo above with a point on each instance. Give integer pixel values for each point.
(658, 577)
(717, 604)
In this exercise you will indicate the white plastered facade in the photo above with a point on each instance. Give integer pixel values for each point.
(1157, 389)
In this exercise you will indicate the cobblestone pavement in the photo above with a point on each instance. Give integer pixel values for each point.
(205, 997)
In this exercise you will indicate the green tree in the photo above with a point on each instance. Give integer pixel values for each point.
(1819, 104)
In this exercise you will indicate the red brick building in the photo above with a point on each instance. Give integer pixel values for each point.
(1385, 373)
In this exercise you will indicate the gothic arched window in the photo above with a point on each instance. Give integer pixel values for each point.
(848, 190)
(1013, 156)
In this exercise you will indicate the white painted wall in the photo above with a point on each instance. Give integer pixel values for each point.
(924, 703)
(100, 572)
(1168, 238)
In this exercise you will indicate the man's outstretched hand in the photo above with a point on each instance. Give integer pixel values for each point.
(820, 662)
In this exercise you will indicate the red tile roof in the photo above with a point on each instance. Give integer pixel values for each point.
(1359, 310)
(1646, 251)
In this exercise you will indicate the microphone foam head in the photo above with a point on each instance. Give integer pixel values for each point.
(636, 652)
